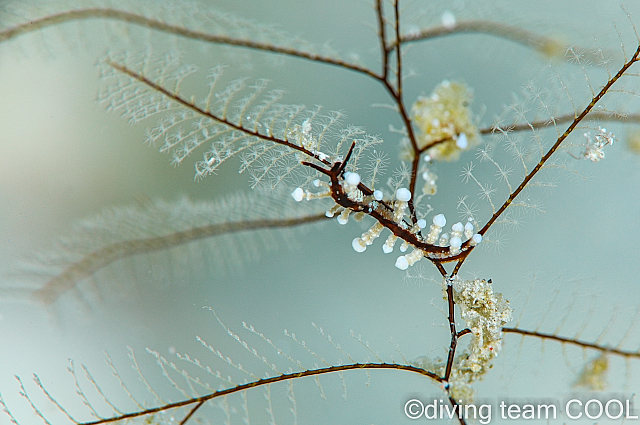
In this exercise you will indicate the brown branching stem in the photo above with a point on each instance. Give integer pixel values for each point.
(192, 412)
(198, 401)
(545, 45)
(180, 31)
(382, 37)
(565, 340)
(573, 341)
(454, 335)
(396, 92)
(398, 46)
(561, 119)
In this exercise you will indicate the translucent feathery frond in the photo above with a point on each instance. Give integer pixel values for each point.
(124, 232)
(271, 138)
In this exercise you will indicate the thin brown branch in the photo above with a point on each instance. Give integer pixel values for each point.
(398, 46)
(565, 340)
(384, 78)
(454, 333)
(457, 407)
(132, 18)
(262, 382)
(192, 412)
(415, 165)
(382, 36)
(101, 258)
(464, 332)
(545, 45)
(562, 119)
(441, 269)
(398, 97)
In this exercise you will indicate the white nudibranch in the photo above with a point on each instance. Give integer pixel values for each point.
(389, 244)
(343, 218)
(333, 210)
(367, 238)
(403, 196)
(434, 231)
(454, 245)
(405, 261)
(298, 194)
(455, 242)
(468, 230)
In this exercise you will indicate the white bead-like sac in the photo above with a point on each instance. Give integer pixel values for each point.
(298, 194)
(476, 239)
(402, 263)
(462, 142)
(359, 245)
(352, 179)
(422, 223)
(455, 242)
(404, 246)
(403, 194)
(316, 182)
(378, 195)
(448, 20)
(458, 227)
(439, 220)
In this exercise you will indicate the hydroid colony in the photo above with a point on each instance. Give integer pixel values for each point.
(437, 181)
